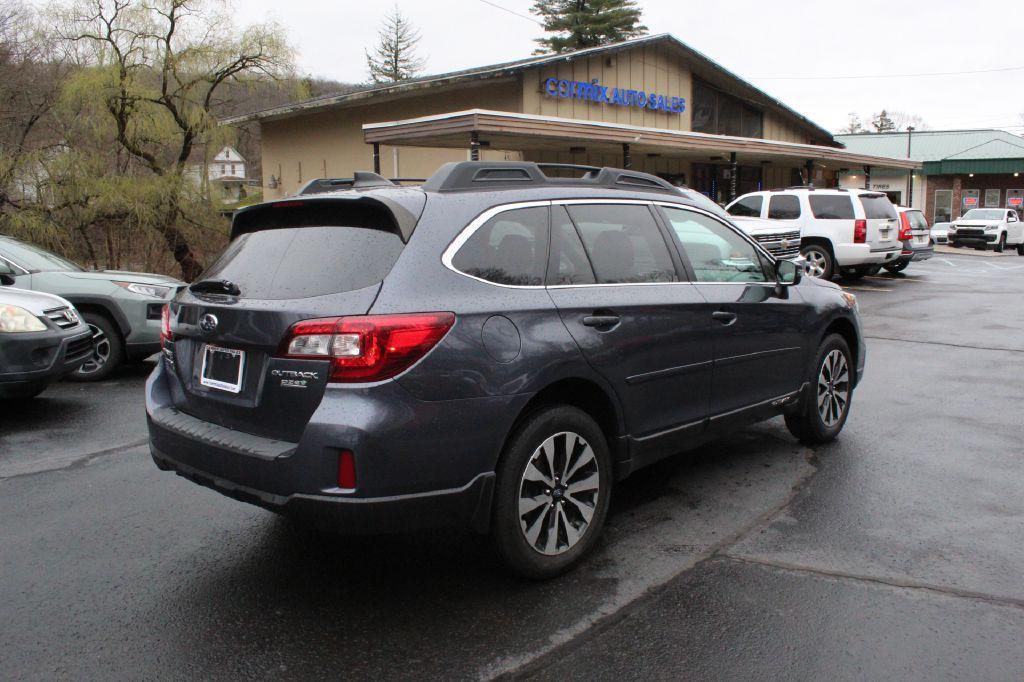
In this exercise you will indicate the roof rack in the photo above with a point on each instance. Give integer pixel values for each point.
(359, 180)
(491, 175)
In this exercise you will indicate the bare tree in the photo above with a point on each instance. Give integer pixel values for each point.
(156, 70)
(853, 124)
(394, 58)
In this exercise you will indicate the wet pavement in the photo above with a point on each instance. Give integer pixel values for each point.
(895, 552)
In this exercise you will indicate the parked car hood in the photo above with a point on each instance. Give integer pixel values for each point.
(123, 276)
(33, 301)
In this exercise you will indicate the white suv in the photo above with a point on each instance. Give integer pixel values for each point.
(841, 230)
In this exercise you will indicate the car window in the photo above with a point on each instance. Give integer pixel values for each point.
(624, 243)
(35, 258)
(6, 269)
(569, 263)
(784, 207)
(1011, 217)
(510, 248)
(749, 207)
(716, 253)
(877, 207)
(831, 207)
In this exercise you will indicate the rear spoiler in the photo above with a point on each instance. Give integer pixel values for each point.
(399, 211)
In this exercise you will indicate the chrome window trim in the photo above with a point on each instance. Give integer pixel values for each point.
(24, 271)
(480, 220)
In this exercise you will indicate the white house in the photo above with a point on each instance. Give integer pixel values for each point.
(225, 174)
(228, 163)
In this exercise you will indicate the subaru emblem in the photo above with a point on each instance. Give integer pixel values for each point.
(208, 323)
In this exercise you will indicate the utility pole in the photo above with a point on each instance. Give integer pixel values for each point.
(910, 173)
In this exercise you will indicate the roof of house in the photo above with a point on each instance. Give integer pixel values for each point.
(510, 68)
(939, 145)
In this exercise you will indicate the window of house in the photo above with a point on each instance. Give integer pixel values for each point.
(784, 207)
(624, 244)
(992, 198)
(715, 252)
(510, 248)
(748, 207)
(831, 207)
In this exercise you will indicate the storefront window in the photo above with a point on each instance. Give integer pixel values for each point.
(992, 198)
(943, 205)
(721, 114)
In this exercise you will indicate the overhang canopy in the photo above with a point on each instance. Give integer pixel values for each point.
(532, 133)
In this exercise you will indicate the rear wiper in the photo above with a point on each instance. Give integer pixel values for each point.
(215, 286)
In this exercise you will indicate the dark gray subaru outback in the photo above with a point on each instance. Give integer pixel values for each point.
(494, 349)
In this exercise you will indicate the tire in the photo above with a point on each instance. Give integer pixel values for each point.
(1001, 244)
(525, 542)
(898, 266)
(1020, 249)
(819, 261)
(873, 270)
(108, 353)
(814, 426)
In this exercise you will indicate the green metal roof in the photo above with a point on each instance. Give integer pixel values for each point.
(947, 151)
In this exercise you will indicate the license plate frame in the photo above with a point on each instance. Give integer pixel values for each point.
(220, 383)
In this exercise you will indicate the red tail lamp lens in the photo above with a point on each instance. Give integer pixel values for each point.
(368, 347)
(165, 324)
(347, 470)
(905, 227)
(860, 231)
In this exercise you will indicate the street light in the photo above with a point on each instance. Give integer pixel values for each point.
(910, 173)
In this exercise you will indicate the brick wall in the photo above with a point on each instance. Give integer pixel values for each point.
(958, 183)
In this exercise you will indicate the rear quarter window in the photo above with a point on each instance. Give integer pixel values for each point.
(784, 207)
(510, 248)
(831, 207)
(878, 207)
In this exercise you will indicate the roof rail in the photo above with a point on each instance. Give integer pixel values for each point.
(359, 180)
(490, 175)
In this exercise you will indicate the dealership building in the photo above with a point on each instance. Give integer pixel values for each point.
(652, 104)
(959, 169)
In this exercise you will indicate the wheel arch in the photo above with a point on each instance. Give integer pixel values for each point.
(94, 304)
(846, 329)
(819, 241)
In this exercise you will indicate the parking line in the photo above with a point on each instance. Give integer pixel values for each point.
(865, 289)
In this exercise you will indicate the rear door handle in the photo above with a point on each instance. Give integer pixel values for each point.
(600, 320)
(723, 316)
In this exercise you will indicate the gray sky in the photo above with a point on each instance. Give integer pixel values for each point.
(760, 41)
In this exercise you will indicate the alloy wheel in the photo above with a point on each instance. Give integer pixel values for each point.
(816, 263)
(833, 388)
(100, 352)
(558, 493)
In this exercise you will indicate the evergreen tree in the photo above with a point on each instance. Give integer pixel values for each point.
(578, 24)
(394, 58)
(882, 122)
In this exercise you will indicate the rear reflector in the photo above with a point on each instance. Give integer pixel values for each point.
(346, 470)
(369, 347)
(860, 231)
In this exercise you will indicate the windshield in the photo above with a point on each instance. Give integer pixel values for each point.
(984, 214)
(33, 258)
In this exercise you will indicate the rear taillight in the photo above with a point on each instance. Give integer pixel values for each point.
(904, 227)
(860, 231)
(165, 325)
(369, 347)
(346, 470)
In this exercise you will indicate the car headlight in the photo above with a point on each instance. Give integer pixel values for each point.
(951, 228)
(14, 319)
(151, 290)
(990, 227)
(851, 299)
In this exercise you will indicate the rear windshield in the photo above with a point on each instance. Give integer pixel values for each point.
(878, 207)
(917, 220)
(303, 251)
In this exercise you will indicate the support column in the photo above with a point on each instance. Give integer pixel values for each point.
(910, 188)
(734, 172)
(627, 161)
(867, 177)
(809, 167)
(474, 146)
(376, 158)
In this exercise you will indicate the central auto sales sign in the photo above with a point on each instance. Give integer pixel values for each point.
(595, 92)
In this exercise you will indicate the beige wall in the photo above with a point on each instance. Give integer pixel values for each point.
(330, 143)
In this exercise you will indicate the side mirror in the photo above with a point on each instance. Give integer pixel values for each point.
(7, 280)
(788, 273)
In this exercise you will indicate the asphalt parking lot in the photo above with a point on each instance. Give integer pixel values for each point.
(894, 552)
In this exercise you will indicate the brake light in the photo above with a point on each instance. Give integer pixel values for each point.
(904, 227)
(165, 324)
(368, 347)
(860, 231)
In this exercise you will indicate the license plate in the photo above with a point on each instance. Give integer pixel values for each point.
(222, 368)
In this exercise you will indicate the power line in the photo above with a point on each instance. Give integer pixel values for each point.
(883, 75)
(511, 11)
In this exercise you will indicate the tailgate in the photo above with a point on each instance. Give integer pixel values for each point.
(883, 225)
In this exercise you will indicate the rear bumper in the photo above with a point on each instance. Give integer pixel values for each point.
(419, 464)
(864, 254)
